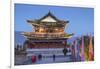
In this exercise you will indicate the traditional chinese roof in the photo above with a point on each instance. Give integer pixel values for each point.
(49, 14)
(51, 26)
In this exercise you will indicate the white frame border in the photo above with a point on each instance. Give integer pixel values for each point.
(45, 2)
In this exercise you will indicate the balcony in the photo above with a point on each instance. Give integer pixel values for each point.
(43, 35)
(46, 35)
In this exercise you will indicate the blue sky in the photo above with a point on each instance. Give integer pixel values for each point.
(81, 20)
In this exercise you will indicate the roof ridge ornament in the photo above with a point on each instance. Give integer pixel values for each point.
(50, 13)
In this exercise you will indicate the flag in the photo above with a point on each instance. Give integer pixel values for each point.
(91, 55)
(76, 49)
(82, 50)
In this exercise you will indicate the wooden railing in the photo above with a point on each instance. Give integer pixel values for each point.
(48, 35)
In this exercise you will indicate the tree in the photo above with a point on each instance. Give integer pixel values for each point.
(25, 45)
(65, 51)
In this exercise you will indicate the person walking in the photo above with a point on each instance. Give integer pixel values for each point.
(54, 57)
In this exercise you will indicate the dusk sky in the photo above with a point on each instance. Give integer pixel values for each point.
(81, 20)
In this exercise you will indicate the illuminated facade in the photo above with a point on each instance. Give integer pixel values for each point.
(48, 36)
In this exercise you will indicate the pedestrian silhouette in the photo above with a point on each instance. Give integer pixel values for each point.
(54, 57)
(39, 56)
